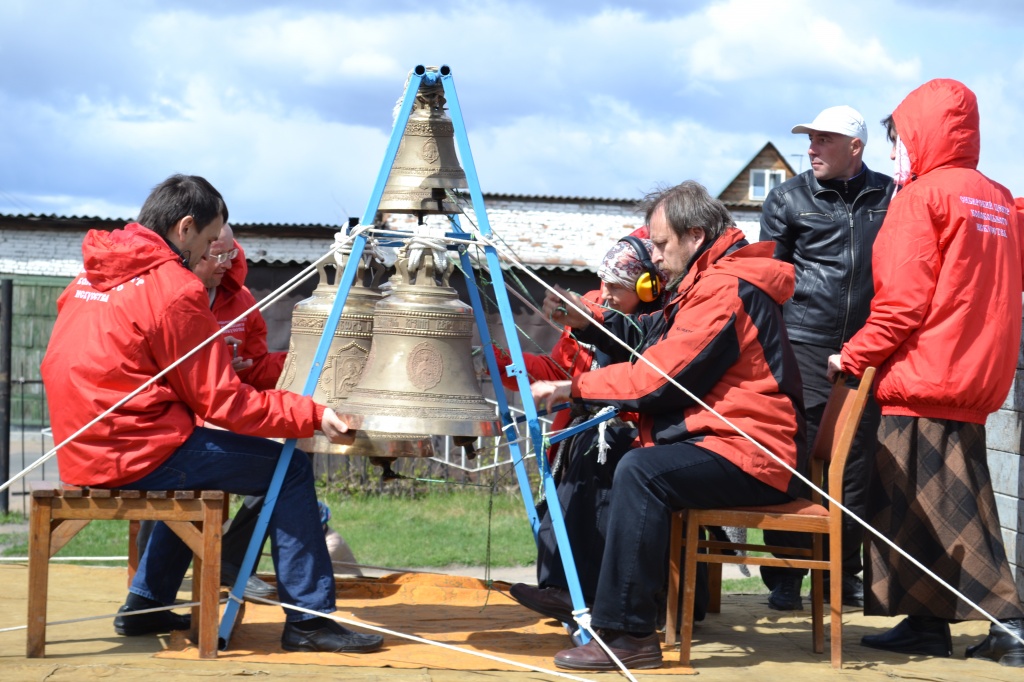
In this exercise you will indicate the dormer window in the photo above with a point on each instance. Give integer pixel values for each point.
(763, 180)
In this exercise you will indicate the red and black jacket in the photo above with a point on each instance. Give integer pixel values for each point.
(722, 336)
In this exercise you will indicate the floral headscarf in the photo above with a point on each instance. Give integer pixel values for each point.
(622, 265)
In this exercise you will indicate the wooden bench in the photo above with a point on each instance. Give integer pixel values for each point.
(59, 512)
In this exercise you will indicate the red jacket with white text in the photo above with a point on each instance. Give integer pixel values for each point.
(723, 338)
(945, 322)
(131, 313)
(231, 299)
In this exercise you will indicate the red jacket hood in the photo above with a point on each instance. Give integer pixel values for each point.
(938, 124)
(113, 258)
(754, 263)
(234, 278)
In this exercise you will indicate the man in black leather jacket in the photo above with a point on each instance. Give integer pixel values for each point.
(824, 221)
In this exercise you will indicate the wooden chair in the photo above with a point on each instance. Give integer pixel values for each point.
(59, 512)
(832, 444)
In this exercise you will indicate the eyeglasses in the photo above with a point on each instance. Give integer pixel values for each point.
(221, 258)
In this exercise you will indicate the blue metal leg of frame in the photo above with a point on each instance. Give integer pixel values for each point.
(507, 421)
(344, 285)
(514, 349)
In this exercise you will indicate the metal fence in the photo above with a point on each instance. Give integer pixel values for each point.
(30, 439)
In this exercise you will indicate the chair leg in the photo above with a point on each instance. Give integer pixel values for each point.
(206, 580)
(836, 594)
(133, 550)
(689, 587)
(38, 575)
(672, 605)
(714, 588)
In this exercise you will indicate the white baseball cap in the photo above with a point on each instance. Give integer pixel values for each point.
(843, 120)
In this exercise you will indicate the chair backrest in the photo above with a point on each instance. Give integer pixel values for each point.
(839, 424)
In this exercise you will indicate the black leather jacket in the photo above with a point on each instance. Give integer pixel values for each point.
(829, 244)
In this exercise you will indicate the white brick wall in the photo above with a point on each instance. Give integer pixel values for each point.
(40, 252)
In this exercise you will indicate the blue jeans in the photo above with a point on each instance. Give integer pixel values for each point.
(244, 465)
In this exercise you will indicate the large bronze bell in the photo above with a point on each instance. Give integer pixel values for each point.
(426, 164)
(419, 378)
(345, 357)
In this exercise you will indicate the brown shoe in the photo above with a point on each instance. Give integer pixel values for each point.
(547, 601)
(634, 652)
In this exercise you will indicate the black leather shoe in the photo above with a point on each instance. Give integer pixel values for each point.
(999, 646)
(634, 652)
(332, 637)
(853, 590)
(149, 623)
(785, 596)
(547, 601)
(914, 635)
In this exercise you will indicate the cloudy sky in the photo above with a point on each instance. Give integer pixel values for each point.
(286, 106)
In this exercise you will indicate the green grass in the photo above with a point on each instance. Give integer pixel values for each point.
(437, 529)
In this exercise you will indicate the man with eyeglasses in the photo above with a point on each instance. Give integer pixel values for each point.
(223, 274)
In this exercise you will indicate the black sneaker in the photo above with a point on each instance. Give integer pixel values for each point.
(331, 637)
(149, 623)
(785, 596)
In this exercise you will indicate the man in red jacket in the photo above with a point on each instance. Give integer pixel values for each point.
(136, 310)
(721, 335)
(944, 331)
(223, 273)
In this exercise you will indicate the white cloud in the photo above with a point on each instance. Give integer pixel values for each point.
(287, 107)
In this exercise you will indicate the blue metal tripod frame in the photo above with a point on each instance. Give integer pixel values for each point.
(517, 368)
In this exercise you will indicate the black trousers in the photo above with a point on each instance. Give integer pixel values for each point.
(649, 485)
(583, 493)
(813, 361)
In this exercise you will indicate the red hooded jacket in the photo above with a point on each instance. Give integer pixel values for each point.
(945, 322)
(231, 299)
(721, 336)
(132, 312)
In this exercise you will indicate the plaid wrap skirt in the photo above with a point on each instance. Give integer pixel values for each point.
(931, 494)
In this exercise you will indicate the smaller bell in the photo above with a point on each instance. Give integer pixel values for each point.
(426, 164)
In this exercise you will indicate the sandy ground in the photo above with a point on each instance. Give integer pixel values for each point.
(745, 641)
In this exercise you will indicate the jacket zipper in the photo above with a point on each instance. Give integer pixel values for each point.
(853, 260)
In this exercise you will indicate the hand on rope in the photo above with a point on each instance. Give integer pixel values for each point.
(556, 310)
(547, 394)
(335, 429)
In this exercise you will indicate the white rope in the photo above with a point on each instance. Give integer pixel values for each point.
(421, 640)
(742, 433)
(271, 298)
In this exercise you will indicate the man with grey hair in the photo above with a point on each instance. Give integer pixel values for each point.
(824, 222)
(721, 336)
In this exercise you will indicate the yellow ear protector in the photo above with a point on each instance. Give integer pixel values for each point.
(648, 284)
